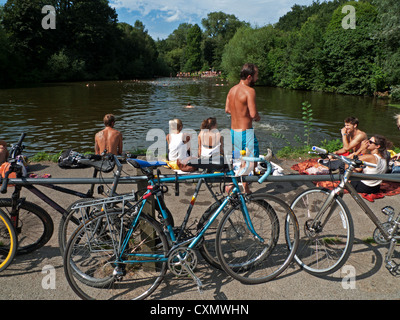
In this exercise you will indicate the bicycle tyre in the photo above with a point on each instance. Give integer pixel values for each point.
(8, 241)
(35, 226)
(97, 267)
(207, 249)
(324, 251)
(247, 259)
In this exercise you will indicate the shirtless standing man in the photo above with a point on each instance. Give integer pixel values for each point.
(108, 139)
(352, 137)
(241, 105)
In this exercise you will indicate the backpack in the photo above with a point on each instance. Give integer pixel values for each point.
(69, 160)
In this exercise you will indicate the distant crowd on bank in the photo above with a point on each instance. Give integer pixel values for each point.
(202, 74)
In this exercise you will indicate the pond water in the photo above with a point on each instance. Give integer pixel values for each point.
(67, 115)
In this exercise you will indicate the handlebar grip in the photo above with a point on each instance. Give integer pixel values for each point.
(319, 150)
(3, 189)
(368, 164)
(21, 138)
(267, 173)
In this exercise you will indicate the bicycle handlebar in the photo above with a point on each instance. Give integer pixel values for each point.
(3, 189)
(354, 162)
(248, 160)
(17, 149)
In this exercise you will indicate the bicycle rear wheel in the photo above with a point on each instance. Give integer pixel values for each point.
(95, 269)
(34, 226)
(325, 247)
(8, 241)
(69, 222)
(242, 255)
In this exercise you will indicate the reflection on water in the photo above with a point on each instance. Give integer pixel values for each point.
(68, 115)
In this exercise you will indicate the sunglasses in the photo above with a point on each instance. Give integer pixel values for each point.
(370, 141)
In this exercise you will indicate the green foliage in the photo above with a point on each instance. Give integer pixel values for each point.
(395, 93)
(350, 55)
(43, 156)
(219, 29)
(289, 152)
(388, 36)
(193, 50)
(88, 43)
(251, 45)
(307, 114)
(309, 49)
(190, 49)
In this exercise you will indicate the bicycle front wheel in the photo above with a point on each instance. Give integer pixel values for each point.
(34, 226)
(96, 269)
(8, 241)
(250, 259)
(324, 245)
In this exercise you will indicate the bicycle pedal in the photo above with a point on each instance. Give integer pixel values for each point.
(393, 268)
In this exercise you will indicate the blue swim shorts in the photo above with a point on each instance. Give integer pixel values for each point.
(242, 140)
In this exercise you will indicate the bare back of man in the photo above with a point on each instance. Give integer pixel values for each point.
(241, 104)
(108, 139)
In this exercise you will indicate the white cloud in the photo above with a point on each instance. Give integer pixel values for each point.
(174, 17)
(162, 12)
(254, 11)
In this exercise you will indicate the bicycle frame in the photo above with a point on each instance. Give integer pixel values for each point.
(192, 241)
(339, 191)
(16, 195)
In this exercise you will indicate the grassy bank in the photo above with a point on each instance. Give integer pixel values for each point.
(288, 152)
(53, 157)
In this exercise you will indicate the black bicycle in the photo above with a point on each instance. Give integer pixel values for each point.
(33, 225)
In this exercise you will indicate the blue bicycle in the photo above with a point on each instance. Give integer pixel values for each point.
(125, 253)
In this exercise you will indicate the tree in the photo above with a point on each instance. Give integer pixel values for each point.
(219, 29)
(303, 71)
(253, 46)
(172, 49)
(388, 33)
(86, 31)
(350, 55)
(193, 54)
(26, 38)
(137, 52)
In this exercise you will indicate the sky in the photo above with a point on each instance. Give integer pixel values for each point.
(162, 17)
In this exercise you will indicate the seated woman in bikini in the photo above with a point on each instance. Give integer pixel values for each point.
(376, 153)
(210, 141)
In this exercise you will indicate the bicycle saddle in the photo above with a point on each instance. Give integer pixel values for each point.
(210, 164)
(137, 163)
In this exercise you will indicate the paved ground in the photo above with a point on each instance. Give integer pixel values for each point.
(27, 278)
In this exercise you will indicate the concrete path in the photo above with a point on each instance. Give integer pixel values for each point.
(40, 275)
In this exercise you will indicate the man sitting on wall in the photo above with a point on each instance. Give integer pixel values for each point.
(351, 137)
